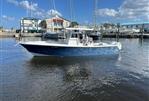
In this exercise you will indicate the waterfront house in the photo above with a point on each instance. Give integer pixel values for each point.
(137, 25)
(56, 23)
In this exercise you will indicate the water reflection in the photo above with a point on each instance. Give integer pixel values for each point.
(73, 68)
(111, 78)
(76, 77)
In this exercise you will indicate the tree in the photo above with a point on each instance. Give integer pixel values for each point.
(12, 29)
(43, 24)
(73, 24)
(108, 25)
(1, 27)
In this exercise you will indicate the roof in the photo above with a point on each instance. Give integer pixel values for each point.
(81, 29)
(30, 18)
(135, 23)
(64, 18)
(59, 17)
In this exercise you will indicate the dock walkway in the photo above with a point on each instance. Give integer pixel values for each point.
(135, 35)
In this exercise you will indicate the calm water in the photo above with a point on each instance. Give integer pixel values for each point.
(120, 78)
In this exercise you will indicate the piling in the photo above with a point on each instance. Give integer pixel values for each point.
(118, 32)
(142, 31)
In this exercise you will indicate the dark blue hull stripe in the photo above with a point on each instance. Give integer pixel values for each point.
(71, 51)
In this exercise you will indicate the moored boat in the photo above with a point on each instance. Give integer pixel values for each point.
(75, 47)
(54, 35)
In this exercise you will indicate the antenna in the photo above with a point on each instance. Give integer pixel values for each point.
(71, 10)
(27, 12)
(54, 7)
(95, 10)
(72, 15)
(1, 13)
(31, 9)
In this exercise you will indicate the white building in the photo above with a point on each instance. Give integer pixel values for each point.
(30, 25)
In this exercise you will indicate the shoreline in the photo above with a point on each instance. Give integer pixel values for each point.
(13, 34)
(111, 35)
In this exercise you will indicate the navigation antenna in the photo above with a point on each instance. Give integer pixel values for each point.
(71, 14)
(95, 13)
(1, 13)
(31, 9)
(71, 11)
(54, 7)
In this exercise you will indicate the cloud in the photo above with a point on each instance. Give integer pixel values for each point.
(106, 12)
(8, 18)
(34, 8)
(25, 4)
(130, 9)
(30, 6)
(134, 9)
(13, 2)
(53, 12)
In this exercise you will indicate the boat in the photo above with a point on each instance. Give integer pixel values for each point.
(74, 47)
(94, 34)
(54, 35)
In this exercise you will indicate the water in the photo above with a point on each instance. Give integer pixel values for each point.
(120, 78)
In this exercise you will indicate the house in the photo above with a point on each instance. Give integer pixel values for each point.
(57, 23)
(30, 25)
(137, 25)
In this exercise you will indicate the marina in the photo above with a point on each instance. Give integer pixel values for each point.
(74, 50)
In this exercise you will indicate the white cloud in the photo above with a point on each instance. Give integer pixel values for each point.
(30, 6)
(8, 18)
(36, 11)
(25, 4)
(13, 2)
(134, 9)
(130, 9)
(53, 12)
(106, 12)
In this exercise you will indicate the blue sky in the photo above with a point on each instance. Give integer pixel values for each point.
(82, 10)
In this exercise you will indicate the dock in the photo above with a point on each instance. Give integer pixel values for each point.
(7, 34)
(12, 34)
(135, 35)
(108, 35)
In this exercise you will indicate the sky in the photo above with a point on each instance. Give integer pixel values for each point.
(82, 11)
